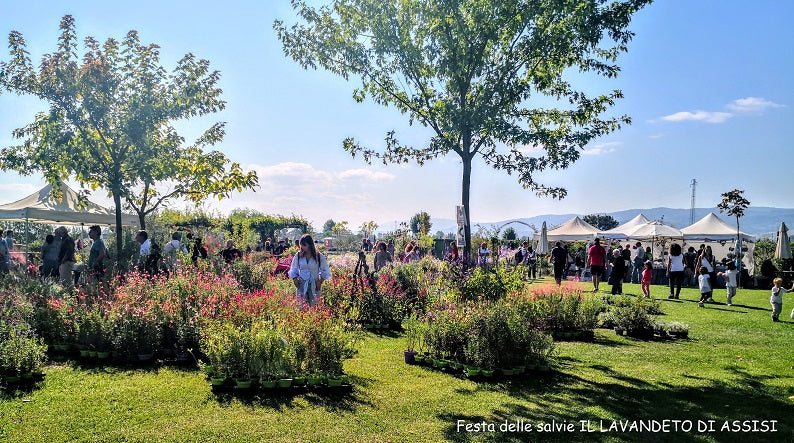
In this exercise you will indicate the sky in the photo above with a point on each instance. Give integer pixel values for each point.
(708, 85)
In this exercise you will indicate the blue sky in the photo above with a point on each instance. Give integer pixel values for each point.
(707, 84)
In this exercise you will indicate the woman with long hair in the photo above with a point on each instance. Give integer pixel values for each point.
(706, 260)
(308, 270)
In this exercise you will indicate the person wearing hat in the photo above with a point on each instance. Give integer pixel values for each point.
(66, 258)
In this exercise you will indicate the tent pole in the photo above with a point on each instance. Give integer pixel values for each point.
(27, 239)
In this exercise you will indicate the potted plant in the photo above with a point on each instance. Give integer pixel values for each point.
(413, 331)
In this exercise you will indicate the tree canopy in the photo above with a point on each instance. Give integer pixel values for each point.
(471, 71)
(109, 123)
(603, 222)
(420, 223)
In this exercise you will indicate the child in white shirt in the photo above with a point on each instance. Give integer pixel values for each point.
(777, 297)
(731, 278)
(705, 285)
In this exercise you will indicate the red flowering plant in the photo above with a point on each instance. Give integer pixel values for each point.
(134, 316)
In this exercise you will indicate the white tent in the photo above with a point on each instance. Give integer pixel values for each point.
(574, 229)
(712, 229)
(655, 230)
(622, 231)
(43, 207)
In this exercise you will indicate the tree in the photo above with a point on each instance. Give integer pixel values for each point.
(468, 70)
(603, 222)
(509, 234)
(328, 226)
(368, 228)
(733, 203)
(340, 229)
(109, 122)
(420, 223)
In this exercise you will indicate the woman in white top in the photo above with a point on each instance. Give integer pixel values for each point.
(482, 254)
(675, 269)
(308, 271)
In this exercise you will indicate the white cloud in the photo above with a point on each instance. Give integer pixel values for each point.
(655, 136)
(745, 105)
(366, 174)
(602, 148)
(752, 104)
(708, 117)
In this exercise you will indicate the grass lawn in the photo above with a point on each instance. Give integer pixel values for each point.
(737, 365)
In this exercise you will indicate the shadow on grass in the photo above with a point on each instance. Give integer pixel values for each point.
(345, 399)
(570, 398)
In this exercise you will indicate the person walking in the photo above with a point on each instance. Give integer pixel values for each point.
(706, 260)
(97, 254)
(675, 270)
(647, 276)
(618, 272)
(596, 260)
(66, 259)
(308, 271)
(639, 263)
(532, 261)
(559, 259)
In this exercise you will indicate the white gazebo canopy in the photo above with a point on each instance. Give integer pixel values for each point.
(68, 209)
(655, 230)
(622, 231)
(713, 228)
(574, 229)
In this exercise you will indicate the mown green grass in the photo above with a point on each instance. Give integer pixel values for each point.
(737, 365)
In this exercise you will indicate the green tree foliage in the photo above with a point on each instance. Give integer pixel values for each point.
(341, 229)
(475, 72)
(328, 226)
(733, 203)
(601, 221)
(367, 228)
(420, 223)
(109, 122)
(509, 234)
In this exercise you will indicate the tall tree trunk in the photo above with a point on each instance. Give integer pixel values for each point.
(464, 201)
(142, 219)
(117, 202)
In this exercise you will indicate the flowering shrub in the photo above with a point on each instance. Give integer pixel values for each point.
(561, 308)
(21, 350)
(486, 334)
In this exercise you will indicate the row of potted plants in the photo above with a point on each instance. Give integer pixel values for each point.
(282, 344)
(479, 334)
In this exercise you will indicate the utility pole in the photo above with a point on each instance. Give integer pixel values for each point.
(692, 205)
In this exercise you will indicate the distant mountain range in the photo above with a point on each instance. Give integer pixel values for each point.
(758, 221)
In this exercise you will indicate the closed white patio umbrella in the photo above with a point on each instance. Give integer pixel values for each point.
(783, 248)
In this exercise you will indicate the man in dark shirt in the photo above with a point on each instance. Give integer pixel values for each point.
(231, 253)
(279, 248)
(559, 258)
